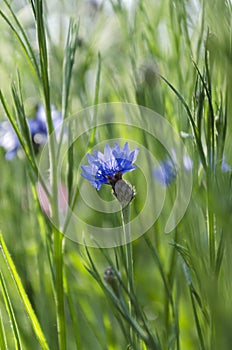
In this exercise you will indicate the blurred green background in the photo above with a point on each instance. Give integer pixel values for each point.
(124, 50)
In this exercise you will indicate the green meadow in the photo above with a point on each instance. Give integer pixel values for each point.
(79, 269)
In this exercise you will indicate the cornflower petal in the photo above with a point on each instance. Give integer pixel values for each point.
(108, 167)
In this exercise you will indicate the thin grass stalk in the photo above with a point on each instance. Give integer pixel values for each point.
(120, 306)
(58, 237)
(210, 116)
(26, 302)
(18, 133)
(170, 278)
(220, 254)
(69, 176)
(73, 315)
(69, 59)
(201, 34)
(134, 300)
(41, 35)
(125, 216)
(210, 170)
(167, 281)
(72, 201)
(96, 98)
(70, 51)
(197, 322)
(26, 43)
(28, 151)
(186, 26)
(21, 117)
(24, 130)
(162, 272)
(211, 119)
(194, 296)
(68, 62)
(192, 123)
(3, 343)
(11, 314)
(211, 230)
(58, 261)
(221, 129)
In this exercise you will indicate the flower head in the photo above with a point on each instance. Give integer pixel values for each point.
(109, 167)
(38, 130)
(167, 170)
(38, 125)
(165, 173)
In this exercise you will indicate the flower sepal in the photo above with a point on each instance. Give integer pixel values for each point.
(124, 192)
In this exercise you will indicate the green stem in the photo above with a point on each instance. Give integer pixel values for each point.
(26, 302)
(197, 322)
(3, 343)
(210, 222)
(58, 238)
(211, 239)
(12, 318)
(171, 277)
(125, 214)
(58, 256)
(46, 94)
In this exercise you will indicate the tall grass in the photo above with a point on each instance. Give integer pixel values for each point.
(162, 291)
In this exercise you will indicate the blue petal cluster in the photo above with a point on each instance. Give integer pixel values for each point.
(225, 167)
(38, 129)
(107, 168)
(8, 140)
(38, 125)
(166, 171)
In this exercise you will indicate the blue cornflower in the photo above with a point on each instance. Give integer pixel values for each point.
(225, 167)
(38, 130)
(38, 125)
(166, 171)
(108, 168)
(8, 140)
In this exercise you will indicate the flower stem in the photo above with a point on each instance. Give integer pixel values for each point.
(125, 214)
(52, 144)
(58, 256)
(128, 247)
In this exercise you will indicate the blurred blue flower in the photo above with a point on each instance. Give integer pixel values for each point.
(225, 167)
(108, 168)
(8, 140)
(38, 125)
(165, 173)
(38, 129)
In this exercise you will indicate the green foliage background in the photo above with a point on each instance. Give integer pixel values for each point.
(173, 57)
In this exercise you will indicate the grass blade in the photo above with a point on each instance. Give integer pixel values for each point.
(11, 314)
(26, 302)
